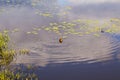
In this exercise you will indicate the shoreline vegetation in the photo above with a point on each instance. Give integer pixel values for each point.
(7, 55)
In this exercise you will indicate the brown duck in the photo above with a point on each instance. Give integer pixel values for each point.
(61, 40)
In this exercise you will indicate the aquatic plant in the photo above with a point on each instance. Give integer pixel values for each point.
(6, 54)
(6, 57)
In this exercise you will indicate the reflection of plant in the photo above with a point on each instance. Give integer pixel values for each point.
(6, 57)
(26, 72)
(18, 74)
(8, 75)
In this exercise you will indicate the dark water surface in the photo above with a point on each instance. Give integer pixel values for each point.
(90, 31)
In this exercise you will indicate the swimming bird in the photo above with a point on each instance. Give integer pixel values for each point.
(61, 40)
(102, 31)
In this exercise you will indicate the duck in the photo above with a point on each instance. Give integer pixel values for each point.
(60, 40)
(102, 31)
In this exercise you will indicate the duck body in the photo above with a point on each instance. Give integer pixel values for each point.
(60, 40)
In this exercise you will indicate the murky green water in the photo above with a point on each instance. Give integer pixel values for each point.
(90, 32)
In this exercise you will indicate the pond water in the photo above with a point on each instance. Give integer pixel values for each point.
(90, 31)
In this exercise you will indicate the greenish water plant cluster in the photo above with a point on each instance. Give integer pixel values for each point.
(7, 55)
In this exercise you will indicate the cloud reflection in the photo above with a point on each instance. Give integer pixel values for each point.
(45, 48)
(76, 2)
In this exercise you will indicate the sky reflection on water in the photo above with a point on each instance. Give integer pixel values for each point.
(90, 31)
(45, 49)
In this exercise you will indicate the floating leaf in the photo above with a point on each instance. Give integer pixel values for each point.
(96, 35)
(28, 32)
(75, 33)
(55, 28)
(15, 30)
(64, 37)
(34, 32)
(87, 32)
(47, 29)
(109, 31)
(5, 31)
(69, 8)
(33, 4)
